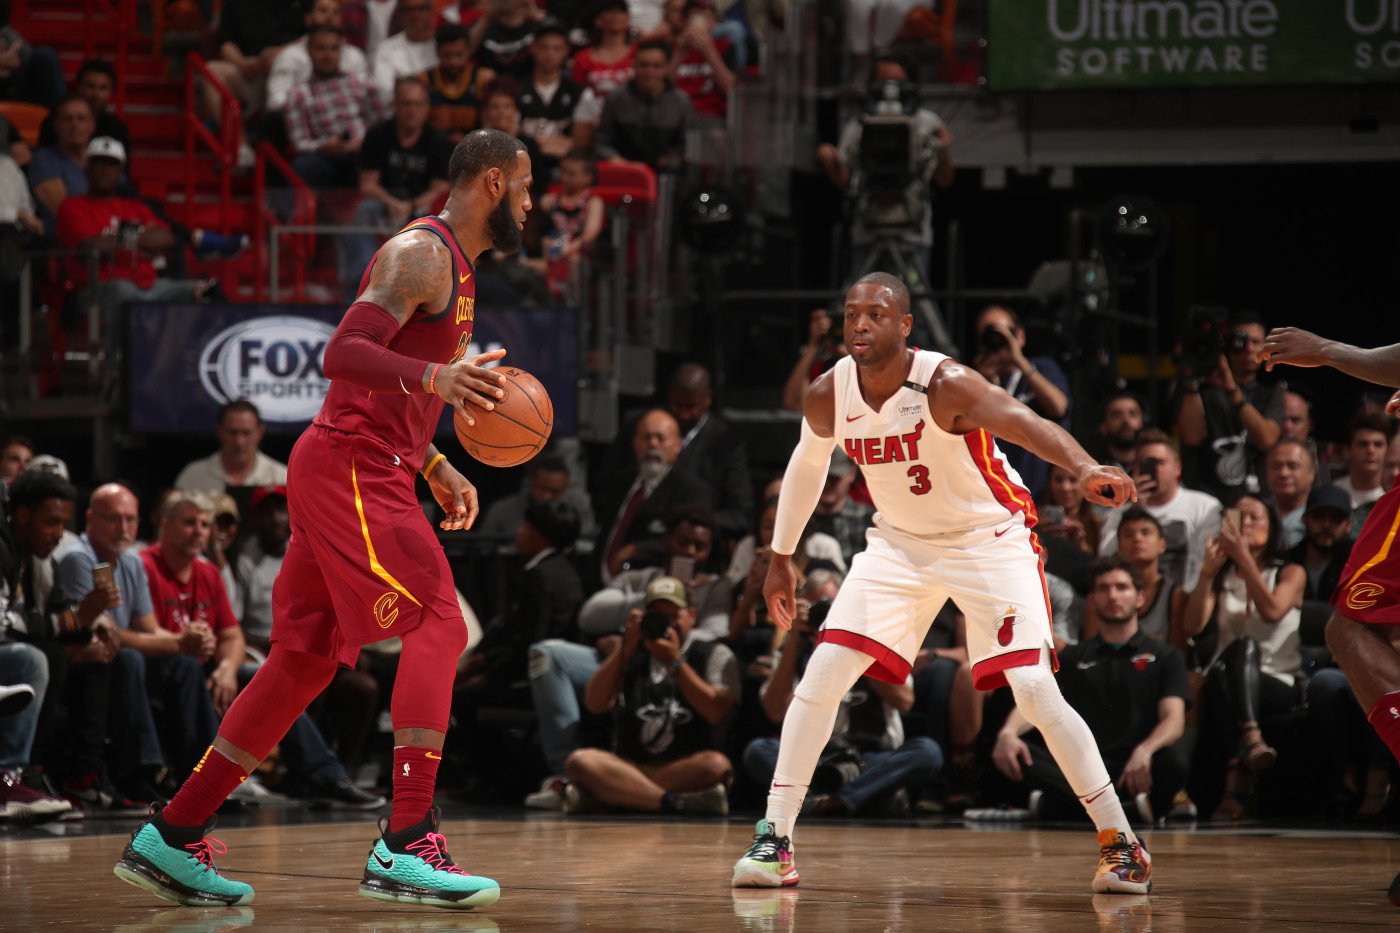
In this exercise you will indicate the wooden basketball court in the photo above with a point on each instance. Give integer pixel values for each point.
(566, 874)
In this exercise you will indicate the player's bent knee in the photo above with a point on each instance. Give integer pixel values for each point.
(1037, 694)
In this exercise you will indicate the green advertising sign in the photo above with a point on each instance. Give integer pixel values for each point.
(1190, 43)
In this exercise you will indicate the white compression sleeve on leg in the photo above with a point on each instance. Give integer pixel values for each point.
(811, 715)
(802, 487)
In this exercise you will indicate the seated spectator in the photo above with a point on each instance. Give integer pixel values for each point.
(837, 514)
(225, 534)
(825, 345)
(607, 63)
(558, 112)
(127, 236)
(546, 479)
(501, 38)
(704, 65)
(750, 630)
(1298, 426)
(327, 117)
(456, 85)
(868, 768)
(1391, 470)
(711, 450)
(293, 67)
(1227, 417)
(501, 111)
(57, 171)
(1188, 518)
(252, 33)
(1132, 691)
(407, 53)
(24, 673)
(27, 72)
(238, 461)
(1037, 381)
(1253, 598)
(1142, 543)
(646, 119)
(574, 217)
(367, 23)
(1367, 441)
(1326, 543)
(1122, 420)
(402, 173)
(15, 455)
(1069, 526)
(675, 18)
(636, 500)
(671, 696)
(1354, 759)
(95, 82)
(1288, 477)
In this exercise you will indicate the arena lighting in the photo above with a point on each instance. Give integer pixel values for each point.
(711, 220)
(1132, 231)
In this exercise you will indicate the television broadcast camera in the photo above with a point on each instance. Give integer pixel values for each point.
(1208, 336)
(888, 157)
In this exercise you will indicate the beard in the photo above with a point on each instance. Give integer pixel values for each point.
(1127, 615)
(502, 228)
(653, 466)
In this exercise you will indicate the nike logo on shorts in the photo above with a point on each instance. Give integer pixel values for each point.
(998, 534)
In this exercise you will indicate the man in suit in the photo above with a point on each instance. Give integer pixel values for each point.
(711, 451)
(635, 501)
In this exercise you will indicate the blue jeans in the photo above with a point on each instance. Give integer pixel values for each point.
(21, 664)
(559, 673)
(304, 748)
(1346, 738)
(188, 723)
(933, 685)
(738, 34)
(131, 726)
(911, 765)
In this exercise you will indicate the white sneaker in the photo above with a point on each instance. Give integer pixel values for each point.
(550, 796)
(251, 790)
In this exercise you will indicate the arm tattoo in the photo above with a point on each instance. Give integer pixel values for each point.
(414, 270)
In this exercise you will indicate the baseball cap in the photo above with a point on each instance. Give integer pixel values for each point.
(841, 465)
(1327, 497)
(50, 463)
(224, 505)
(262, 492)
(105, 147)
(669, 589)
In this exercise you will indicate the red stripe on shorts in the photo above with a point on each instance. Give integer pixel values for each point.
(888, 665)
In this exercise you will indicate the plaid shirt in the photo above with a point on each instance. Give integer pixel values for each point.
(324, 109)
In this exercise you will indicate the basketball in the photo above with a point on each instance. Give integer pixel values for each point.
(516, 429)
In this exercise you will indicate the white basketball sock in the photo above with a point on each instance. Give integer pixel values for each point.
(1071, 743)
(831, 671)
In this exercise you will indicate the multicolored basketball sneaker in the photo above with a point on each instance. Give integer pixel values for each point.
(412, 867)
(177, 863)
(1124, 867)
(769, 863)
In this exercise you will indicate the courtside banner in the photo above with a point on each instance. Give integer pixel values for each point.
(1081, 44)
(184, 361)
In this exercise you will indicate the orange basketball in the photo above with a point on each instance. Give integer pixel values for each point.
(516, 429)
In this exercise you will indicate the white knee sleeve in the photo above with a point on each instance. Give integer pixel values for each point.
(1066, 735)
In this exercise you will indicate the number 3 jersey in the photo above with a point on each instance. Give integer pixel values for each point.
(924, 481)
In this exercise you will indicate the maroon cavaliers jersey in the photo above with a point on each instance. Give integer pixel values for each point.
(406, 421)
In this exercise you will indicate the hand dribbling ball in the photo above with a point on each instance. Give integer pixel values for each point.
(516, 429)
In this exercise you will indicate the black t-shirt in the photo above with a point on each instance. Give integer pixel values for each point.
(507, 51)
(1116, 689)
(405, 173)
(254, 25)
(1227, 463)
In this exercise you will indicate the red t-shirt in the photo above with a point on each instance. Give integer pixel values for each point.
(202, 599)
(696, 77)
(602, 78)
(81, 217)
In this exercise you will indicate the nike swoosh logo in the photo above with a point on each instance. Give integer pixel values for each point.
(849, 419)
(1097, 796)
(387, 866)
(998, 534)
(1085, 665)
(462, 279)
(431, 755)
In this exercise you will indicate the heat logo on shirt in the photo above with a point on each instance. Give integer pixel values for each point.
(890, 448)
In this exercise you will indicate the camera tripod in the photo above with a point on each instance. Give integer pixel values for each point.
(905, 264)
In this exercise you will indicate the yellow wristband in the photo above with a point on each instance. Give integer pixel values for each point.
(432, 463)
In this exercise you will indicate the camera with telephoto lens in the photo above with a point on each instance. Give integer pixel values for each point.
(991, 340)
(1207, 336)
(655, 624)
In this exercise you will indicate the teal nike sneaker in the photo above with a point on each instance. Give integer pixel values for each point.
(771, 861)
(412, 867)
(177, 863)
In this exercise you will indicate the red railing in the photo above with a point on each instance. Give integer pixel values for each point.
(123, 15)
(224, 146)
(303, 245)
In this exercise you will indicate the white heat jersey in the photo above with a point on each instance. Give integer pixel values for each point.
(923, 480)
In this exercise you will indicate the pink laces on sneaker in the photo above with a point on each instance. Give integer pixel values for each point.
(204, 850)
(432, 849)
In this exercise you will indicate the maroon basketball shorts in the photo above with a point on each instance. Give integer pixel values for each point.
(364, 563)
(1370, 587)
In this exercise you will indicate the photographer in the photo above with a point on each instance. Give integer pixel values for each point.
(867, 768)
(1227, 419)
(825, 345)
(671, 696)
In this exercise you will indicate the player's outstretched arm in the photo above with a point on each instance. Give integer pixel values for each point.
(802, 487)
(962, 401)
(1298, 347)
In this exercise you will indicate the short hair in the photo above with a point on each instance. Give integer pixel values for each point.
(173, 504)
(20, 439)
(450, 32)
(97, 66)
(73, 98)
(414, 80)
(893, 283)
(479, 152)
(551, 26)
(501, 84)
(694, 513)
(1016, 321)
(890, 56)
(32, 487)
(238, 406)
(1119, 394)
(1369, 421)
(1243, 318)
(1136, 513)
(556, 519)
(1157, 436)
(1289, 441)
(585, 156)
(654, 45)
(817, 577)
(323, 30)
(1110, 563)
(548, 465)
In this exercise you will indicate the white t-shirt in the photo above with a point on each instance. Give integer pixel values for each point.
(1188, 520)
(207, 475)
(1237, 616)
(397, 57)
(292, 67)
(380, 12)
(1359, 499)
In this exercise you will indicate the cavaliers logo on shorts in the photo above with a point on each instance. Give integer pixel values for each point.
(385, 611)
(1363, 595)
(1004, 626)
